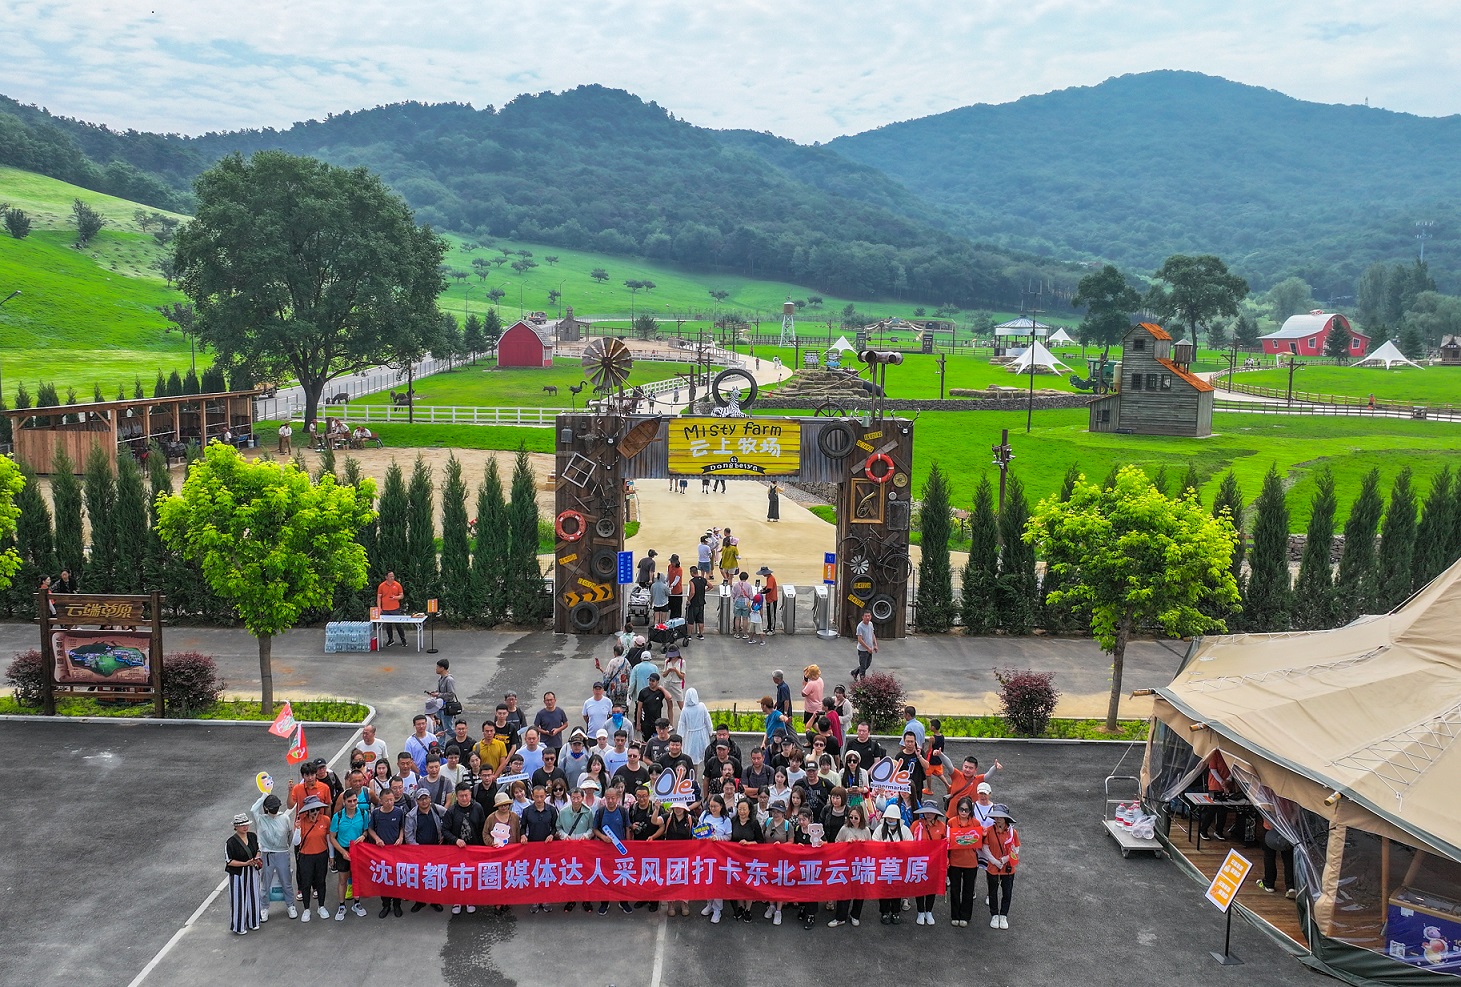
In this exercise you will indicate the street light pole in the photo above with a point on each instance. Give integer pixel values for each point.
(1002, 456)
(942, 360)
(560, 297)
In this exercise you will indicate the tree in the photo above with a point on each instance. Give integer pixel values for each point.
(720, 295)
(936, 608)
(1289, 297)
(268, 541)
(88, 222)
(1196, 290)
(1229, 498)
(523, 582)
(472, 337)
(1017, 583)
(100, 489)
(1434, 535)
(1336, 344)
(393, 545)
(1159, 480)
(1058, 616)
(299, 268)
(645, 327)
(1314, 591)
(599, 274)
(456, 559)
(492, 327)
(17, 223)
(550, 259)
(34, 540)
(66, 499)
(130, 524)
(1354, 586)
(1268, 597)
(1245, 332)
(1191, 482)
(12, 482)
(496, 294)
(1131, 558)
(1109, 302)
(1396, 559)
(420, 568)
(489, 558)
(980, 579)
(1412, 343)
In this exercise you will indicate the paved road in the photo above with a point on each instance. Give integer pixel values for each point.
(135, 819)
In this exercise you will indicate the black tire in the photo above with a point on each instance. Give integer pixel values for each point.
(882, 607)
(584, 617)
(836, 440)
(605, 527)
(605, 564)
(717, 385)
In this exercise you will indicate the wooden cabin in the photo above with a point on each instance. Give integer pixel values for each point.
(1156, 392)
(129, 426)
(1450, 351)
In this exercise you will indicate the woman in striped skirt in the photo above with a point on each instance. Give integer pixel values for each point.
(244, 862)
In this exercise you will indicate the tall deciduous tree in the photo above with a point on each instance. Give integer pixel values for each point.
(1131, 558)
(66, 499)
(88, 222)
(11, 484)
(524, 577)
(1109, 302)
(936, 608)
(1268, 597)
(1354, 586)
(100, 489)
(299, 268)
(1017, 584)
(456, 559)
(130, 524)
(1314, 591)
(268, 541)
(1434, 535)
(1289, 297)
(489, 559)
(1394, 569)
(980, 579)
(1196, 290)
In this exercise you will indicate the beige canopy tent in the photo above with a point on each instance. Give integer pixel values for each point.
(1347, 740)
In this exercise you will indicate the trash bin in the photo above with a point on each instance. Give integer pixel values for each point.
(822, 614)
(723, 620)
(788, 609)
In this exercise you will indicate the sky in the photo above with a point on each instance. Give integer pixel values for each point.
(806, 70)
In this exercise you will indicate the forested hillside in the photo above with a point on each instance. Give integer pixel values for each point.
(1148, 165)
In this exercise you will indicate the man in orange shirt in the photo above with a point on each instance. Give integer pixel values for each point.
(388, 597)
(771, 593)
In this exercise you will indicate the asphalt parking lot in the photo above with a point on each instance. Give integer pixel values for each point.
(118, 842)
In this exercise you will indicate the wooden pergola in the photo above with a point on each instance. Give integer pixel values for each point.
(171, 422)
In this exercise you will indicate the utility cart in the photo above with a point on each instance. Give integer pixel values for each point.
(1124, 837)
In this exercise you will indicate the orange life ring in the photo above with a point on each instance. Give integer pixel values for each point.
(888, 468)
(577, 520)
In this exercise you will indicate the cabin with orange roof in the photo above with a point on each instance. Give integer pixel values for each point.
(1156, 392)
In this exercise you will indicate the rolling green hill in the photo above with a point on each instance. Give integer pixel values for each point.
(1143, 166)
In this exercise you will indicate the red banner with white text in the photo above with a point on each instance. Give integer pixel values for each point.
(591, 870)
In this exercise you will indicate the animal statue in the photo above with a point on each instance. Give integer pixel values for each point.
(550, 389)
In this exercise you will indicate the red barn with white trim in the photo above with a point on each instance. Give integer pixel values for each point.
(1306, 334)
(525, 345)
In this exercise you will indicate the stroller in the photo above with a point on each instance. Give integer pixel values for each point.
(666, 634)
(639, 601)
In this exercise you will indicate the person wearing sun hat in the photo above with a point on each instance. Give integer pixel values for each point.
(242, 849)
(929, 825)
(891, 830)
(1000, 855)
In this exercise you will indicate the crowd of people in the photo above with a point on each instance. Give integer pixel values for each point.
(585, 772)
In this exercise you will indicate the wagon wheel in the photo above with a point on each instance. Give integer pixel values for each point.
(831, 409)
(895, 566)
(606, 363)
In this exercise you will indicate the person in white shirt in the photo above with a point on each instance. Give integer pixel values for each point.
(452, 769)
(619, 756)
(373, 749)
(596, 710)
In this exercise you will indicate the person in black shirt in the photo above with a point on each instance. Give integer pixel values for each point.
(675, 757)
(645, 823)
(722, 736)
(633, 772)
(801, 835)
(745, 829)
(516, 715)
(462, 826)
(652, 702)
(758, 774)
(715, 766)
(506, 728)
(910, 760)
(539, 824)
(485, 792)
(782, 757)
(550, 771)
(424, 827)
(868, 749)
(656, 746)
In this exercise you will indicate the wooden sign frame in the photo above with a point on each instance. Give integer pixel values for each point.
(100, 610)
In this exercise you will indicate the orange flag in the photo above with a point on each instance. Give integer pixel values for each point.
(283, 723)
(299, 750)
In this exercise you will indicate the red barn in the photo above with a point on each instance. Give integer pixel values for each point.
(525, 345)
(1305, 335)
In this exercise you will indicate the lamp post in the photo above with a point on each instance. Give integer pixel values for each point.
(1294, 367)
(1002, 456)
(1030, 411)
(942, 360)
(2, 368)
(560, 297)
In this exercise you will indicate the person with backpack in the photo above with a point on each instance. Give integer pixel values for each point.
(611, 824)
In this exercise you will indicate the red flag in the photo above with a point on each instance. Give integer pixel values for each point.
(283, 723)
(299, 750)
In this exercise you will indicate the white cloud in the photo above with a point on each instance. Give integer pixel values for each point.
(806, 70)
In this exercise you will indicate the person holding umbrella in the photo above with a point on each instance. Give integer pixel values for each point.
(1001, 855)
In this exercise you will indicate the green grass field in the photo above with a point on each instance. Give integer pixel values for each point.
(516, 387)
(1406, 385)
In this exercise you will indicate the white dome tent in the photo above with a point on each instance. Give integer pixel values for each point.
(1044, 361)
(1387, 355)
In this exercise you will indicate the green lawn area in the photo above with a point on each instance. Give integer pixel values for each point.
(399, 435)
(517, 387)
(1247, 444)
(1408, 385)
(310, 710)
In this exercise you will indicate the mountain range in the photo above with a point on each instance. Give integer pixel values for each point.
(973, 206)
